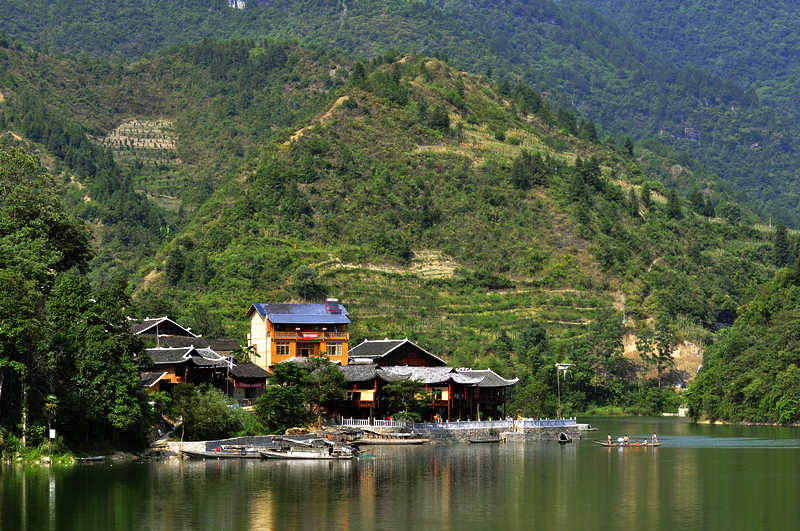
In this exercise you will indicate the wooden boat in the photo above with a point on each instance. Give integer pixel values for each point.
(90, 459)
(372, 437)
(223, 454)
(308, 452)
(481, 441)
(564, 438)
(622, 445)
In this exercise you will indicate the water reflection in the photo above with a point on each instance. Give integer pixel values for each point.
(712, 477)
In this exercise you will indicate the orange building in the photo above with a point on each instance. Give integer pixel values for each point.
(279, 332)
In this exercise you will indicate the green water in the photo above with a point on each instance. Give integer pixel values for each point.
(704, 477)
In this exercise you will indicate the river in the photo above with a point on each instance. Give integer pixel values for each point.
(703, 477)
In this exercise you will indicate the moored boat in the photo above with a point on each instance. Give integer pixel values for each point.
(481, 441)
(223, 454)
(308, 452)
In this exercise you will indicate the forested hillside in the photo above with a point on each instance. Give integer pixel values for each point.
(567, 51)
(756, 44)
(439, 210)
(213, 102)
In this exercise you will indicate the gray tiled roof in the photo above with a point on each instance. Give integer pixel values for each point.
(489, 377)
(223, 344)
(149, 379)
(169, 355)
(426, 375)
(359, 373)
(148, 326)
(249, 370)
(375, 349)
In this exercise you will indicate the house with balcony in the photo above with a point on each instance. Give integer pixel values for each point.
(279, 332)
(457, 393)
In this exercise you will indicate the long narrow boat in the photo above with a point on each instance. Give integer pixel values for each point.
(388, 439)
(388, 442)
(482, 441)
(304, 452)
(202, 454)
(621, 445)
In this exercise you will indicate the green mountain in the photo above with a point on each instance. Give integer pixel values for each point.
(751, 373)
(755, 44)
(567, 51)
(439, 210)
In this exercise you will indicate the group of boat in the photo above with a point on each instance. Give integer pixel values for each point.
(316, 448)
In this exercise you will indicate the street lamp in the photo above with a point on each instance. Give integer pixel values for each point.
(560, 367)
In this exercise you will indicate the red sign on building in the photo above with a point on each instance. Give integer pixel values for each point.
(310, 335)
(257, 385)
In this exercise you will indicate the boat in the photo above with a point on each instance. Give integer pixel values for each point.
(622, 445)
(481, 441)
(224, 453)
(564, 438)
(308, 452)
(388, 439)
(90, 459)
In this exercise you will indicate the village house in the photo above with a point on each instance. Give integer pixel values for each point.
(180, 356)
(279, 332)
(458, 394)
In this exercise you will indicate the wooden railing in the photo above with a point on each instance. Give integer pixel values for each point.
(321, 336)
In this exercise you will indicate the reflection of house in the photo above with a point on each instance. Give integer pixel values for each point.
(458, 393)
(281, 331)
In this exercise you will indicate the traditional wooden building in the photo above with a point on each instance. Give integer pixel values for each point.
(159, 327)
(279, 332)
(463, 394)
(198, 366)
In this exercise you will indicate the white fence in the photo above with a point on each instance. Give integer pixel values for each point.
(375, 423)
(470, 424)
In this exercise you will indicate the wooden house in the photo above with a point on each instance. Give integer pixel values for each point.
(279, 332)
(463, 394)
(198, 366)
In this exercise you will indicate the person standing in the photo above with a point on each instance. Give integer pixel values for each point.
(609, 438)
(626, 440)
(655, 439)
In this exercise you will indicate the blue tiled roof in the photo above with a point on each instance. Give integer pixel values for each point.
(300, 313)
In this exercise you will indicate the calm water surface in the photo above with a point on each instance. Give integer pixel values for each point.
(704, 477)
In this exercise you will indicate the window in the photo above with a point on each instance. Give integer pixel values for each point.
(334, 349)
(282, 349)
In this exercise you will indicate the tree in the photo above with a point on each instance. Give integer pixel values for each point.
(205, 412)
(781, 253)
(325, 384)
(36, 236)
(673, 205)
(629, 146)
(305, 280)
(409, 397)
(439, 119)
(282, 407)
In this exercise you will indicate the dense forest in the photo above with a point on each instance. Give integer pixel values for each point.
(568, 51)
(755, 44)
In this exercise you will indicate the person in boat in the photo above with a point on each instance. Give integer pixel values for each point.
(655, 439)
(645, 442)
(626, 440)
(637, 443)
(609, 438)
